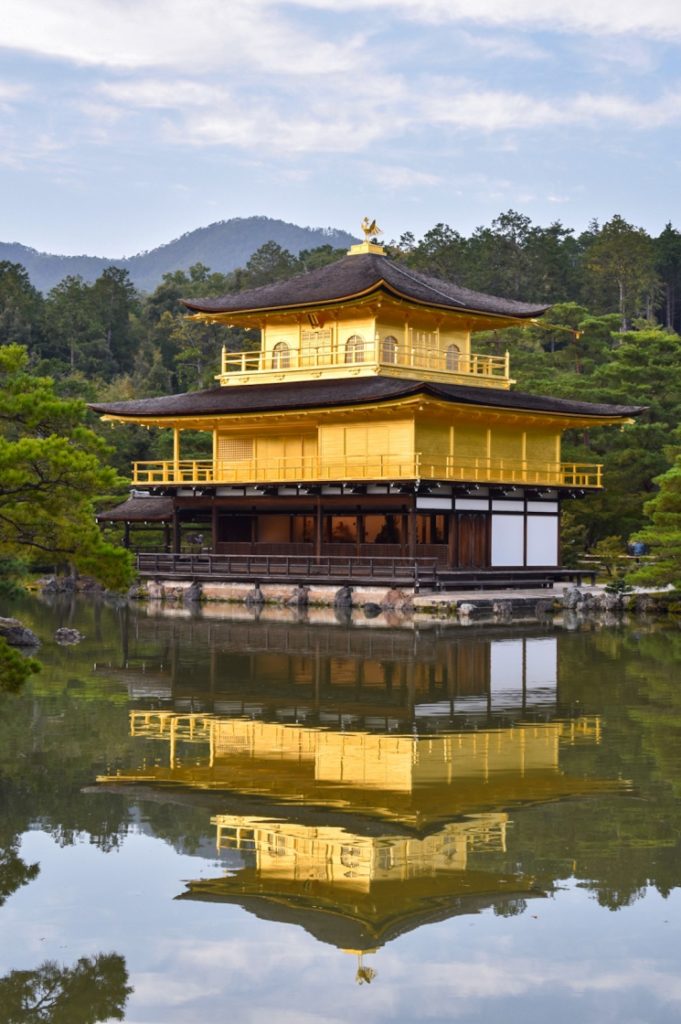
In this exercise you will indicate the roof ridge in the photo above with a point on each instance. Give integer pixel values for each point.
(419, 278)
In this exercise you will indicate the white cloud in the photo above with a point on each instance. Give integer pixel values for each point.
(11, 93)
(509, 46)
(18, 152)
(497, 110)
(160, 94)
(403, 177)
(172, 34)
(374, 110)
(656, 19)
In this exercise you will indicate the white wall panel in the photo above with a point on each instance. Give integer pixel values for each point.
(508, 540)
(542, 506)
(442, 504)
(498, 505)
(542, 540)
(472, 504)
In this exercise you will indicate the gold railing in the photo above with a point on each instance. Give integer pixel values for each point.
(368, 353)
(313, 469)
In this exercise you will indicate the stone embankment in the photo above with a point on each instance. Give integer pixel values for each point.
(572, 603)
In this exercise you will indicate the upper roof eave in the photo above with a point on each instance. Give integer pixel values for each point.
(381, 285)
(355, 277)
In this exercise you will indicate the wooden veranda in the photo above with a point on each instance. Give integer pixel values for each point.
(417, 574)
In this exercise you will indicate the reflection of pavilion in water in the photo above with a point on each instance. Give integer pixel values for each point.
(418, 780)
(382, 680)
(358, 892)
(359, 837)
(360, 804)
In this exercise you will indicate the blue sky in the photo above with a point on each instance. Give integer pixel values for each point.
(124, 123)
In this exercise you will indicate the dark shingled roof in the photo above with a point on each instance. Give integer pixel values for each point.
(358, 275)
(139, 510)
(310, 394)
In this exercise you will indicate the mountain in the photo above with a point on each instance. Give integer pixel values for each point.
(222, 246)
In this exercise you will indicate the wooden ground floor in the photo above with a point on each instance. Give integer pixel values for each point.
(474, 531)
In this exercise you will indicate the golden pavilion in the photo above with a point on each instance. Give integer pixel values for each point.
(365, 427)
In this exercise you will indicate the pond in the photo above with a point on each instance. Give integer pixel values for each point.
(207, 819)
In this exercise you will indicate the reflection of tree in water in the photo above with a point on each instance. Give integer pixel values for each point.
(14, 872)
(94, 989)
(510, 908)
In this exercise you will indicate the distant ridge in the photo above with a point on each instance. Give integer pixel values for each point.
(222, 246)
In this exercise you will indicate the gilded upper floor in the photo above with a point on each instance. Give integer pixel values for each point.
(368, 429)
(362, 315)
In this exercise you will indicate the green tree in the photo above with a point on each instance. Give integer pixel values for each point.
(14, 668)
(114, 300)
(73, 340)
(497, 256)
(621, 259)
(21, 306)
(52, 467)
(442, 252)
(667, 249)
(267, 264)
(663, 533)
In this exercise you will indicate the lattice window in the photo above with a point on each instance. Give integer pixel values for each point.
(235, 449)
(452, 357)
(317, 337)
(389, 349)
(281, 356)
(354, 349)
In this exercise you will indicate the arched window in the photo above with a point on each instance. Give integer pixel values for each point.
(354, 349)
(389, 349)
(281, 356)
(452, 357)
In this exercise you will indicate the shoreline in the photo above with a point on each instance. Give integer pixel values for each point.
(565, 605)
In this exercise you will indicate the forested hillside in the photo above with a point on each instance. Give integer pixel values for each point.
(611, 336)
(224, 246)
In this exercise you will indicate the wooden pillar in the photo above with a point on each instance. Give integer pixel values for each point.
(318, 530)
(166, 536)
(126, 535)
(411, 525)
(177, 532)
(452, 546)
(214, 528)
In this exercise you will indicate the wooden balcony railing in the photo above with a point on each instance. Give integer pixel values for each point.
(324, 569)
(313, 469)
(368, 354)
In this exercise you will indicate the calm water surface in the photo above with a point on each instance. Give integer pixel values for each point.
(205, 820)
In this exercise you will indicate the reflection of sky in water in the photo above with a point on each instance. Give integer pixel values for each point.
(564, 959)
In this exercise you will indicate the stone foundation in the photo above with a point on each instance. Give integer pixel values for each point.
(183, 592)
(383, 606)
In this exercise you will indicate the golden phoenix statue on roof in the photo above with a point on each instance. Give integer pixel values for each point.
(370, 229)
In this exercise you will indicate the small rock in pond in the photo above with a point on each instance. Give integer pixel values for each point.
(372, 610)
(17, 635)
(64, 635)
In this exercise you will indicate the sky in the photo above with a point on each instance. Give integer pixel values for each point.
(125, 123)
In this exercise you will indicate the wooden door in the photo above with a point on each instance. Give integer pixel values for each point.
(472, 535)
